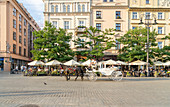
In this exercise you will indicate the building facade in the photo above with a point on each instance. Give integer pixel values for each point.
(16, 35)
(111, 14)
(68, 14)
(151, 10)
(121, 15)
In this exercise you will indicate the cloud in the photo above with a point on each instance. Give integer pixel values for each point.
(35, 8)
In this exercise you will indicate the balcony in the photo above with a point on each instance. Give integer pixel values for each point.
(81, 29)
(98, 17)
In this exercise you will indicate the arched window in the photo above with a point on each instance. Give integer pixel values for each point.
(68, 8)
(52, 8)
(79, 8)
(64, 8)
(56, 8)
(83, 8)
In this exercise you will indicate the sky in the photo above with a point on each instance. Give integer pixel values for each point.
(35, 8)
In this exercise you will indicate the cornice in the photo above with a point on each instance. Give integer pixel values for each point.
(109, 7)
(149, 9)
(67, 13)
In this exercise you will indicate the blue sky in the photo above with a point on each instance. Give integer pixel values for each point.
(35, 8)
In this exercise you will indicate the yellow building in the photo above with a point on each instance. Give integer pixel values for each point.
(111, 14)
(16, 38)
(151, 9)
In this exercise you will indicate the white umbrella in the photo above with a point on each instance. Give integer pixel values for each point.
(158, 63)
(36, 63)
(54, 62)
(86, 63)
(121, 63)
(167, 63)
(71, 63)
(138, 62)
(110, 62)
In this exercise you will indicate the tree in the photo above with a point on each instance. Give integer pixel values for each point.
(97, 42)
(134, 42)
(164, 53)
(52, 43)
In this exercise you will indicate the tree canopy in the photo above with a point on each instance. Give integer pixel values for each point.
(95, 43)
(134, 42)
(52, 43)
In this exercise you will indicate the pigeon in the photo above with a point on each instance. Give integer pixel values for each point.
(45, 83)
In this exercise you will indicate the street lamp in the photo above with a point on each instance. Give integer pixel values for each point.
(148, 23)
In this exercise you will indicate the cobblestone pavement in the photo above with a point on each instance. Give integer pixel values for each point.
(19, 91)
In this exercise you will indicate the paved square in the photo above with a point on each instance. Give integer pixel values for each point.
(19, 91)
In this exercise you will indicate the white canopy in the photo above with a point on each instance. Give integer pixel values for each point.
(71, 63)
(158, 63)
(167, 63)
(36, 63)
(110, 62)
(138, 62)
(86, 63)
(54, 62)
(121, 63)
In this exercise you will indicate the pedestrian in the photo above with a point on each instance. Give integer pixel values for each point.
(78, 72)
(16, 68)
(67, 73)
(22, 68)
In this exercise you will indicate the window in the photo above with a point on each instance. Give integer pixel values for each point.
(68, 8)
(83, 8)
(14, 48)
(24, 42)
(133, 28)
(55, 23)
(25, 22)
(64, 8)
(56, 8)
(111, 0)
(20, 29)
(14, 35)
(160, 30)
(66, 24)
(160, 15)
(24, 52)
(104, 0)
(20, 39)
(14, 11)
(147, 15)
(25, 32)
(118, 15)
(160, 45)
(14, 23)
(52, 8)
(117, 45)
(81, 23)
(98, 15)
(134, 15)
(19, 50)
(20, 17)
(79, 8)
(98, 26)
(118, 26)
(147, 1)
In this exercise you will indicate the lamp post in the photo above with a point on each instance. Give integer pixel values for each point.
(148, 23)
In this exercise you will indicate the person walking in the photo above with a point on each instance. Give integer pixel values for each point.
(78, 72)
(67, 73)
(22, 68)
(16, 68)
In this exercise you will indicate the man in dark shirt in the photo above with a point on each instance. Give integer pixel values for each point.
(78, 72)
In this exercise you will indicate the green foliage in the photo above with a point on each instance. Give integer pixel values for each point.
(97, 44)
(52, 43)
(134, 42)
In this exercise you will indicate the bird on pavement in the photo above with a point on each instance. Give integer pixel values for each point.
(45, 83)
